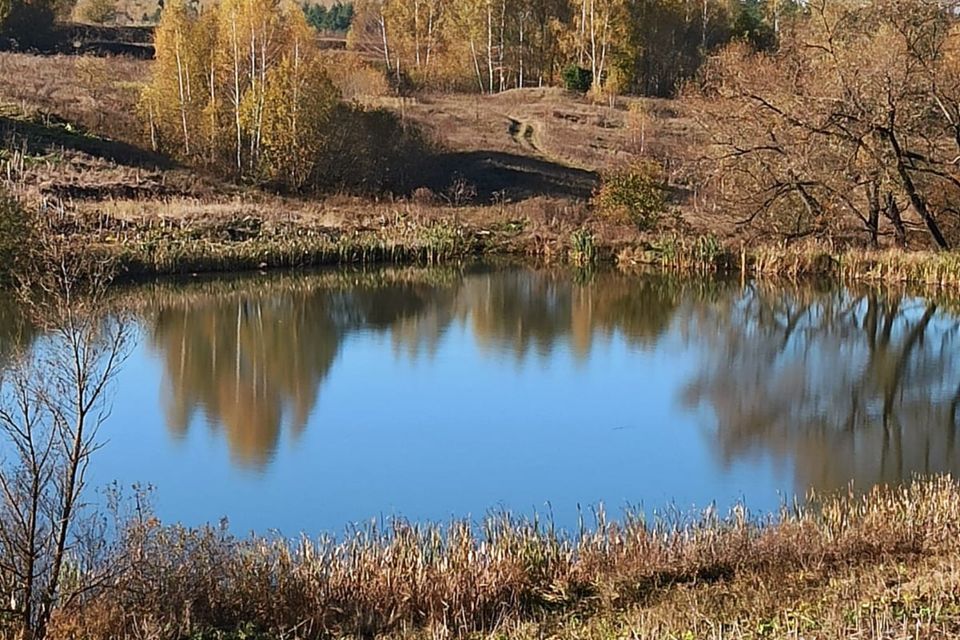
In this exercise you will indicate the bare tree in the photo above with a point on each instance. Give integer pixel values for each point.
(53, 400)
(849, 126)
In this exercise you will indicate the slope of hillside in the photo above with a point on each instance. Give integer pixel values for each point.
(517, 168)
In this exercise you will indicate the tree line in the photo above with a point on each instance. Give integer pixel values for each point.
(336, 18)
(638, 46)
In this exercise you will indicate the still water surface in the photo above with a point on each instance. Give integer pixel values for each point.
(308, 402)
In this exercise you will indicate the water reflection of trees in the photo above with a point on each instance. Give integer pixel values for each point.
(252, 355)
(523, 312)
(244, 368)
(852, 384)
(860, 386)
(15, 331)
(253, 359)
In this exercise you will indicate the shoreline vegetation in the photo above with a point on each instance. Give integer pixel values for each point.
(221, 241)
(880, 565)
(158, 247)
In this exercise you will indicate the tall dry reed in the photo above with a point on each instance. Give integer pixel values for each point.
(476, 578)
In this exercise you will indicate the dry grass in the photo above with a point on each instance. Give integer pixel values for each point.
(554, 124)
(97, 94)
(183, 235)
(941, 269)
(707, 253)
(890, 265)
(838, 567)
(69, 133)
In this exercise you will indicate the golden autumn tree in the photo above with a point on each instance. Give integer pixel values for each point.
(418, 33)
(299, 105)
(241, 88)
(470, 26)
(250, 37)
(177, 94)
(599, 29)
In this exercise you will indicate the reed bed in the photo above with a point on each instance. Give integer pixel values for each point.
(890, 266)
(233, 244)
(707, 254)
(666, 577)
(157, 245)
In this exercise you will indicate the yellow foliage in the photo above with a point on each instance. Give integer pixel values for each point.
(241, 88)
(354, 77)
(298, 105)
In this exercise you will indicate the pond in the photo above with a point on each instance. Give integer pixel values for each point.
(309, 402)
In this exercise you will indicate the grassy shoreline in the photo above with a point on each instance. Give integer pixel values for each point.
(882, 565)
(868, 266)
(157, 238)
(159, 247)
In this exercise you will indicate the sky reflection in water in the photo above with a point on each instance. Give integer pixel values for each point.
(310, 402)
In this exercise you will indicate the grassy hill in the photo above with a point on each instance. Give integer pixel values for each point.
(516, 168)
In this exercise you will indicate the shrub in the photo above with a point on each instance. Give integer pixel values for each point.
(354, 76)
(634, 194)
(576, 78)
(583, 248)
(97, 11)
(16, 231)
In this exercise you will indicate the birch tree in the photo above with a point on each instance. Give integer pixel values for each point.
(242, 88)
(600, 28)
